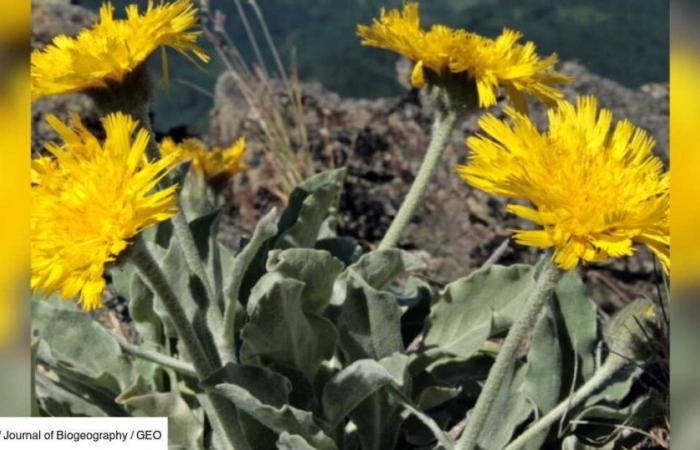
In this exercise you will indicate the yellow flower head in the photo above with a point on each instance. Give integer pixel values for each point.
(594, 191)
(113, 48)
(89, 199)
(503, 62)
(491, 63)
(216, 164)
(185, 149)
(400, 31)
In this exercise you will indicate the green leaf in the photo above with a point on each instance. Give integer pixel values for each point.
(544, 369)
(184, 427)
(599, 423)
(81, 345)
(317, 269)
(510, 409)
(264, 230)
(359, 391)
(370, 321)
(617, 389)
(59, 401)
(345, 249)
(129, 285)
(381, 267)
(288, 441)
(445, 441)
(433, 396)
(279, 332)
(581, 320)
(266, 385)
(277, 417)
(474, 308)
(309, 205)
(355, 383)
(174, 266)
(142, 312)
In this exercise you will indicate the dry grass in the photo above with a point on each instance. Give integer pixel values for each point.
(284, 133)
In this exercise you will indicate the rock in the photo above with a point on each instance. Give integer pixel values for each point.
(230, 110)
(51, 18)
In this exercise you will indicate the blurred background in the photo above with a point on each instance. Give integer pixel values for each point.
(14, 202)
(685, 223)
(608, 37)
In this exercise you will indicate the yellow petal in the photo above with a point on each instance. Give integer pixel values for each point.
(418, 76)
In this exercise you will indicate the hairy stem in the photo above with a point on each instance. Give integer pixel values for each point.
(224, 412)
(184, 236)
(442, 130)
(598, 380)
(546, 283)
(156, 357)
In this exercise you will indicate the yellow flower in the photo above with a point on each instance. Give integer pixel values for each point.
(113, 48)
(503, 62)
(221, 164)
(490, 63)
(594, 191)
(185, 149)
(400, 31)
(216, 164)
(88, 201)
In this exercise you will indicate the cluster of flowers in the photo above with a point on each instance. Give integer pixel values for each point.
(594, 191)
(90, 198)
(490, 63)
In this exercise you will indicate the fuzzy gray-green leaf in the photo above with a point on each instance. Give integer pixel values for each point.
(280, 332)
(370, 321)
(75, 339)
(359, 391)
(544, 369)
(288, 441)
(462, 318)
(278, 419)
(381, 267)
(317, 269)
(184, 427)
(309, 205)
(352, 385)
(580, 318)
(510, 409)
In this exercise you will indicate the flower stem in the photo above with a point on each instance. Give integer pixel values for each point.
(184, 236)
(156, 357)
(224, 412)
(442, 129)
(599, 379)
(547, 281)
(215, 320)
